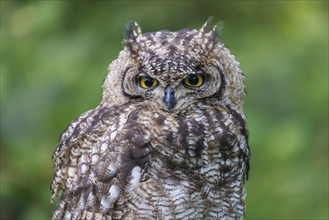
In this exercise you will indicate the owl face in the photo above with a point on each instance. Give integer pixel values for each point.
(172, 70)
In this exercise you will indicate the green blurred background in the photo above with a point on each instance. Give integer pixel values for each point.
(54, 57)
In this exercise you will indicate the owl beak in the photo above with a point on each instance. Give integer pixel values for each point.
(169, 97)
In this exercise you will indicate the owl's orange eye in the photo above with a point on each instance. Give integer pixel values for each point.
(147, 82)
(194, 80)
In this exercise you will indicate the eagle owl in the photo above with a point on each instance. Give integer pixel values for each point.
(167, 141)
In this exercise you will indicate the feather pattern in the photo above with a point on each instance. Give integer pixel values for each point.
(133, 158)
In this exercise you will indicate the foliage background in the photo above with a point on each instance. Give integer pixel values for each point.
(54, 56)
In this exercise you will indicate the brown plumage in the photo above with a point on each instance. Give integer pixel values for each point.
(167, 141)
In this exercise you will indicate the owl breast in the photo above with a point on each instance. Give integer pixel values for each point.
(197, 164)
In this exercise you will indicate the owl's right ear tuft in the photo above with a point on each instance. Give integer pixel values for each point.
(133, 33)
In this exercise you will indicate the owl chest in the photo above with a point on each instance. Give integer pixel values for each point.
(203, 142)
(182, 194)
(166, 199)
(195, 169)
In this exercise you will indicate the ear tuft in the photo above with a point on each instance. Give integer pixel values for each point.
(212, 33)
(209, 34)
(207, 26)
(133, 33)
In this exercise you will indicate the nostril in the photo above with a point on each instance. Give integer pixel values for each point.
(169, 91)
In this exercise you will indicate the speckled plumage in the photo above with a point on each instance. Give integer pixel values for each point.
(136, 157)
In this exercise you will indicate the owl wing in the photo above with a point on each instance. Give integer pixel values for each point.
(98, 161)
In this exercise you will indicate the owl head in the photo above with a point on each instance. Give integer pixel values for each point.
(171, 71)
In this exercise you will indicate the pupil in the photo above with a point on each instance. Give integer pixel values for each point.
(193, 80)
(148, 81)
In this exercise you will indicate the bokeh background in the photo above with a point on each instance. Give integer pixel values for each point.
(54, 57)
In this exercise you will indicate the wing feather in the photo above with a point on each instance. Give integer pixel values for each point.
(95, 162)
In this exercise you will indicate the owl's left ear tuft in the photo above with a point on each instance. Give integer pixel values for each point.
(133, 33)
(209, 33)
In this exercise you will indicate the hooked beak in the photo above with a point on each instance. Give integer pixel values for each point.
(169, 97)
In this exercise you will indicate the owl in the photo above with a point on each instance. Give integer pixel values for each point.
(168, 139)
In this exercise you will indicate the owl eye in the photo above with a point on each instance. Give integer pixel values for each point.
(147, 82)
(194, 81)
